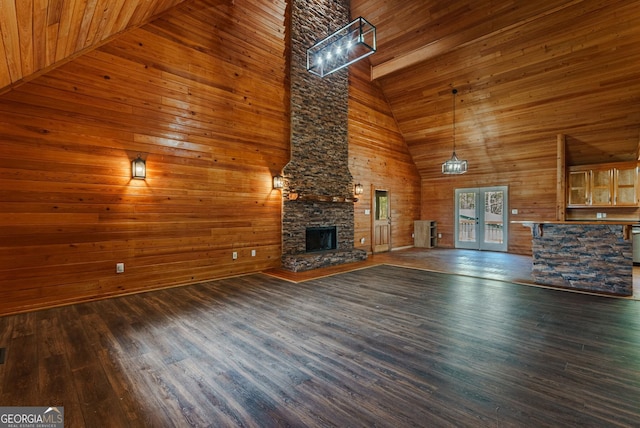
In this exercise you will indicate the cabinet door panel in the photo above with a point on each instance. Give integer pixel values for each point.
(626, 186)
(601, 181)
(578, 188)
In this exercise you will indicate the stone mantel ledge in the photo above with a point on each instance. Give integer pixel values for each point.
(319, 198)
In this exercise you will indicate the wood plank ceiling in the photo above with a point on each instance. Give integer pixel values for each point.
(525, 70)
(36, 35)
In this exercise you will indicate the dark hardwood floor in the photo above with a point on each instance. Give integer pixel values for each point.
(508, 267)
(380, 346)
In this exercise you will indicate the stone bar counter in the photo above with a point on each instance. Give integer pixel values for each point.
(594, 256)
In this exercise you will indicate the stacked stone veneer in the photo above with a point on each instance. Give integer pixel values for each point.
(318, 172)
(591, 257)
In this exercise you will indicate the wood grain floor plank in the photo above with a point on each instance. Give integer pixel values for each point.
(20, 372)
(382, 346)
(6, 331)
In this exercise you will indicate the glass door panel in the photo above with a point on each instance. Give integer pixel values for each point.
(466, 218)
(494, 220)
(601, 187)
(481, 218)
(625, 188)
(578, 181)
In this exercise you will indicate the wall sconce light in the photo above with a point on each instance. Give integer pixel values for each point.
(138, 169)
(278, 182)
(349, 44)
(358, 189)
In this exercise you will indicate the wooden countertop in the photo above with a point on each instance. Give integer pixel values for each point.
(624, 223)
(537, 226)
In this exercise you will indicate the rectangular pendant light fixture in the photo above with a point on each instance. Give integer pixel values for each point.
(349, 44)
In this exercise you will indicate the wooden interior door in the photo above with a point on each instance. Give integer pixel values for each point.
(381, 221)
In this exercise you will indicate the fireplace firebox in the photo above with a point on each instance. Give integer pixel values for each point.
(321, 238)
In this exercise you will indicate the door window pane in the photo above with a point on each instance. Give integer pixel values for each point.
(467, 217)
(382, 205)
(493, 217)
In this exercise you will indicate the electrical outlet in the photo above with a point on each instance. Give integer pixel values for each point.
(119, 267)
(234, 255)
(362, 240)
(514, 211)
(598, 215)
(439, 235)
(253, 253)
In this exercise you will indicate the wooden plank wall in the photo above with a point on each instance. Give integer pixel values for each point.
(201, 93)
(378, 156)
(570, 71)
(203, 102)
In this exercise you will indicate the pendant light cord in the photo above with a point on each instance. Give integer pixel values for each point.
(454, 92)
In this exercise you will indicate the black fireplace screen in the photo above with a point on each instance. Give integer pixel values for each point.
(321, 239)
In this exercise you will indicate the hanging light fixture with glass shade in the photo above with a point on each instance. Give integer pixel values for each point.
(454, 165)
(349, 44)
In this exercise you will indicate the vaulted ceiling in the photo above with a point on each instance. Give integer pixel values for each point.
(37, 35)
(525, 70)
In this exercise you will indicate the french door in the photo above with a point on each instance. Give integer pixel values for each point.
(481, 218)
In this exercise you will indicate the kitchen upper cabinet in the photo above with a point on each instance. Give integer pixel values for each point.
(626, 186)
(578, 188)
(603, 185)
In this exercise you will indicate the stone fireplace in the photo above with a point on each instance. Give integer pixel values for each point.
(318, 191)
